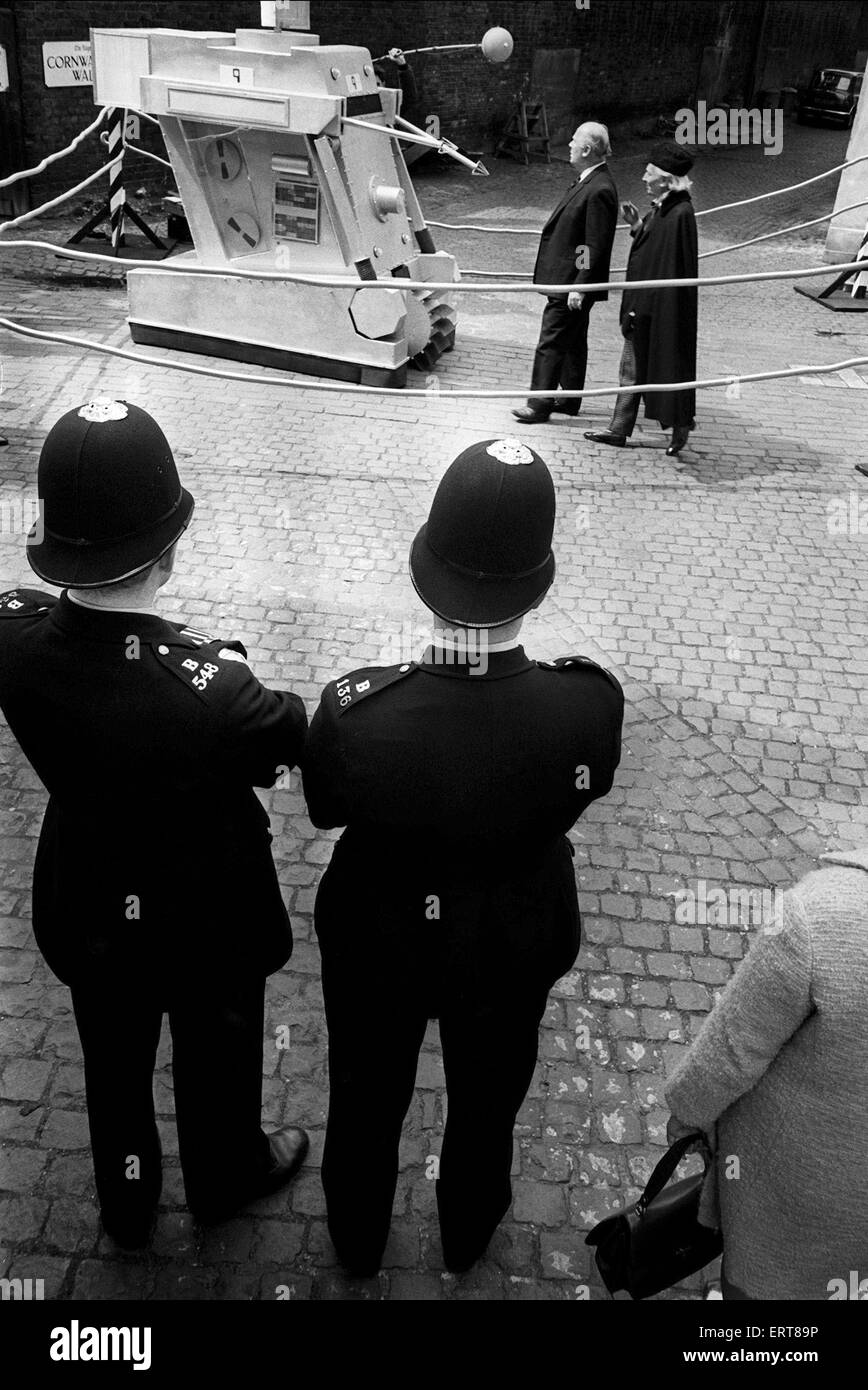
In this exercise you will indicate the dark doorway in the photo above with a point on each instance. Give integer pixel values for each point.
(15, 198)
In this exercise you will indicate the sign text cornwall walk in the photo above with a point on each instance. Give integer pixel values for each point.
(67, 64)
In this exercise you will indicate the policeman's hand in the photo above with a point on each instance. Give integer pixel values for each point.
(630, 213)
(574, 299)
(397, 56)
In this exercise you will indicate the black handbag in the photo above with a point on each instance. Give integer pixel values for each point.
(658, 1241)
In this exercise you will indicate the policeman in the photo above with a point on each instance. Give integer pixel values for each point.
(451, 892)
(154, 887)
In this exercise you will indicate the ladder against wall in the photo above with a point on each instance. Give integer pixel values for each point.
(526, 134)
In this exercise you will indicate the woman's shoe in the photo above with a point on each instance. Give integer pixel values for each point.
(680, 437)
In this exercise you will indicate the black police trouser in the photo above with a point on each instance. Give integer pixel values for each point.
(561, 357)
(489, 1056)
(381, 985)
(217, 1030)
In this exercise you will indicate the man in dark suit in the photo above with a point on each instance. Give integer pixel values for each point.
(154, 887)
(451, 893)
(575, 248)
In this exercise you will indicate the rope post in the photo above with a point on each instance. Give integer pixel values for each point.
(117, 192)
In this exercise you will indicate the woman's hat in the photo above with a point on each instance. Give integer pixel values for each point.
(110, 499)
(671, 158)
(484, 556)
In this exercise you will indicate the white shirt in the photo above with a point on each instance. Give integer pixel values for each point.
(110, 608)
(474, 642)
(585, 172)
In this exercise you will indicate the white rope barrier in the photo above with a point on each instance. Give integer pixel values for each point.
(60, 154)
(147, 154)
(55, 202)
(704, 255)
(623, 226)
(457, 286)
(474, 393)
(797, 227)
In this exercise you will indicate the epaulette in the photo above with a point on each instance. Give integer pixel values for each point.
(201, 639)
(351, 690)
(197, 672)
(571, 663)
(23, 603)
(232, 651)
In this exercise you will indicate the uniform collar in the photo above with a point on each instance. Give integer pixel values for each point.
(492, 666)
(106, 624)
(107, 608)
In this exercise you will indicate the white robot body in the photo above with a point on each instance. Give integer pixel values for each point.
(274, 174)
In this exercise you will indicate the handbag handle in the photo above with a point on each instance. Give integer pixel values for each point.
(667, 1165)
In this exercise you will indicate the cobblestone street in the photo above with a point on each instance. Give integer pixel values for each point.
(714, 584)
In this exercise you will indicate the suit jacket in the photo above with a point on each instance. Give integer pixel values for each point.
(586, 216)
(458, 785)
(154, 851)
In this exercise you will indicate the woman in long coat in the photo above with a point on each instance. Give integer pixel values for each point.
(779, 1070)
(659, 325)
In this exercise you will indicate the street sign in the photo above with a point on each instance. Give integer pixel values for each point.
(67, 64)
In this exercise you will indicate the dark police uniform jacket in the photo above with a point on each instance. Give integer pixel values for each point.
(586, 216)
(458, 785)
(154, 852)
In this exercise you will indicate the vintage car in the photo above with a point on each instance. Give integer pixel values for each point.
(832, 95)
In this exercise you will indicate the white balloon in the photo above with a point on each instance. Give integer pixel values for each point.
(497, 45)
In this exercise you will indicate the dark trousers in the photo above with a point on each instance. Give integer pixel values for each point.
(561, 357)
(489, 1056)
(633, 368)
(217, 1028)
(383, 978)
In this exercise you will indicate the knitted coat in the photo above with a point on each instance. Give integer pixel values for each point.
(781, 1067)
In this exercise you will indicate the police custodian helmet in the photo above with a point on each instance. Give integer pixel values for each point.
(484, 556)
(111, 501)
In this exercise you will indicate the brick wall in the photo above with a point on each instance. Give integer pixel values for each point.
(813, 35)
(635, 57)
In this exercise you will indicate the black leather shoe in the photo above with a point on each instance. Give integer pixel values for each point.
(618, 441)
(289, 1148)
(679, 439)
(528, 416)
(566, 408)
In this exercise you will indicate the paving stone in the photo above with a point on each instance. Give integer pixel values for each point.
(541, 1203)
(24, 1079)
(65, 1129)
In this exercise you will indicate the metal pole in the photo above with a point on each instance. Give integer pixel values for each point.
(117, 192)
